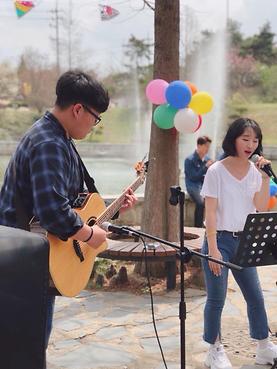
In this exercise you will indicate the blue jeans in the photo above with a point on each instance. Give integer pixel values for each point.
(216, 287)
(49, 318)
(199, 206)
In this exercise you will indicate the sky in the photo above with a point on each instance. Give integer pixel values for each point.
(104, 40)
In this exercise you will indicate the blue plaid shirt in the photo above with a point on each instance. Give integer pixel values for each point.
(48, 178)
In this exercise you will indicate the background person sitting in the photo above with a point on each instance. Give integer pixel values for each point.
(196, 166)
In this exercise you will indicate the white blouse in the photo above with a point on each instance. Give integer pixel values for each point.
(234, 196)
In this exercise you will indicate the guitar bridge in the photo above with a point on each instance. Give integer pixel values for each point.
(78, 250)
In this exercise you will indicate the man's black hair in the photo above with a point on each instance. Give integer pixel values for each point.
(235, 130)
(202, 140)
(75, 86)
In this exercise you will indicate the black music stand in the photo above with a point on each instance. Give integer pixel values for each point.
(258, 243)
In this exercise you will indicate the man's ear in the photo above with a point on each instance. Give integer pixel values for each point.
(76, 109)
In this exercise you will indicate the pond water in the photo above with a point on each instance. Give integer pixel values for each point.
(111, 175)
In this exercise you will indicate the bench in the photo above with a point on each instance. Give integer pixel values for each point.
(134, 251)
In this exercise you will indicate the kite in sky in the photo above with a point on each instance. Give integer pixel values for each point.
(23, 7)
(107, 12)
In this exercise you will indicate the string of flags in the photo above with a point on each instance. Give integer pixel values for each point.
(23, 7)
(106, 11)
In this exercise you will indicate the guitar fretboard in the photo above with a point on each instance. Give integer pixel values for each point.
(113, 208)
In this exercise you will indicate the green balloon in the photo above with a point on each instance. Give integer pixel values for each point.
(164, 116)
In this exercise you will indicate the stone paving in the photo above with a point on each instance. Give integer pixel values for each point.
(114, 330)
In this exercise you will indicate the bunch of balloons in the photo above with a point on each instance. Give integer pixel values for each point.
(180, 104)
(272, 192)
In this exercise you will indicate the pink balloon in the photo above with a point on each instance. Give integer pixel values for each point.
(155, 91)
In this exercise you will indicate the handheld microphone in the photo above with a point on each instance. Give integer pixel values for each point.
(266, 168)
(109, 227)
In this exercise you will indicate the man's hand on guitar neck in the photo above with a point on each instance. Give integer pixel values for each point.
(93, 236)
(130, 200)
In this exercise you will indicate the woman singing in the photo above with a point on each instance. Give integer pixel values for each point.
(233, 188)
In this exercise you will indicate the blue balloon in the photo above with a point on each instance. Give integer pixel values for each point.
(272, 189)
(178, 94)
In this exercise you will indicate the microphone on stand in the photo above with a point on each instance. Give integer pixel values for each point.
(266, 168)
(109, 227)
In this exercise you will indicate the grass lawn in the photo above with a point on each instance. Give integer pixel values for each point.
(266, 116)
(119, 123)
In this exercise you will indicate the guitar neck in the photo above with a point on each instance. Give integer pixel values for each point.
(113, 208)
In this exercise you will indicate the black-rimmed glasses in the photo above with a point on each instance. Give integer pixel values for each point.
(97, 118)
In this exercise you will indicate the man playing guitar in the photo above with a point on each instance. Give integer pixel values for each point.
(44, 176)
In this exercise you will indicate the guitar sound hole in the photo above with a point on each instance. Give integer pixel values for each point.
(91, 221)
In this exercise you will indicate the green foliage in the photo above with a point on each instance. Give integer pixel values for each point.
(234, 33)
(121, 85)
(261, 45)
(117, 126)
(252, 64)
(8, 81)
(15, 122)
(263, 113)
(236, 107)
(37, 79)
(101, 265)
(266, 116)
(268, 76)
(138, 51)
(116, 83)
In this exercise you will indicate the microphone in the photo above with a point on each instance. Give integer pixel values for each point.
(109, 227)
(266, 168)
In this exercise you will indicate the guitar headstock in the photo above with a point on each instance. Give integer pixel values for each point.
(141, 167)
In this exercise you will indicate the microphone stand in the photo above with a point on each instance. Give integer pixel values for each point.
(184, 254)
(177, 196)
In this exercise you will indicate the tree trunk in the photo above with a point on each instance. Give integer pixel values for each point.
(159, 217)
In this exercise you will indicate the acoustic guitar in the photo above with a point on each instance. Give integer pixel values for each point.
(71, 261)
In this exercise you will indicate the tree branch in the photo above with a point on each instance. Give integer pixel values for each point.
(149, 5)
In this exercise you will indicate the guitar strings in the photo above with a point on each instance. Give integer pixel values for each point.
(115, 206)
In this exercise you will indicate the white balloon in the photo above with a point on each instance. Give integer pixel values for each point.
(186, 121)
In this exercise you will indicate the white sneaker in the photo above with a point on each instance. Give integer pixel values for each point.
(267, 355)
(217, 359)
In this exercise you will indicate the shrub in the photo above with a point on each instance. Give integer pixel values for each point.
(269, 83)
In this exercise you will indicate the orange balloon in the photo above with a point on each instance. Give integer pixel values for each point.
(192, 87)
(272, 202)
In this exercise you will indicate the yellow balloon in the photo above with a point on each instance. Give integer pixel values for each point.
(201, 102)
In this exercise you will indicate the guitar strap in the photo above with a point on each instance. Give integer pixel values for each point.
(22, 219)
(89, 181)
